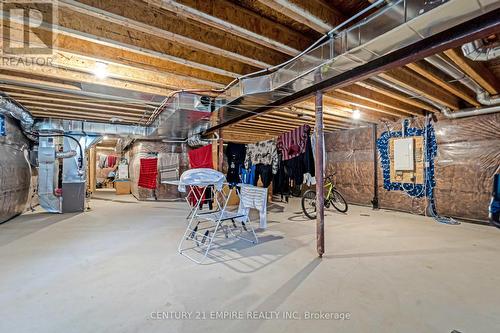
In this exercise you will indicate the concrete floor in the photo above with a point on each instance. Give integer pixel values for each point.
(116, 269)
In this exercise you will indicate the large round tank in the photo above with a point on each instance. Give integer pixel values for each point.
(15, 171)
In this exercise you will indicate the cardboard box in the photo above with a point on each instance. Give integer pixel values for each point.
(122, 187)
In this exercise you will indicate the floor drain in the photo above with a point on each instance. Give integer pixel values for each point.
(364, 214)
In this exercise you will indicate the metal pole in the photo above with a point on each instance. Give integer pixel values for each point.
(221, 152)
(320, 195)
(375, 168)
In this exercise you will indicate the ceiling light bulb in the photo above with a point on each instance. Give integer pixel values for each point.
(356, 114)
(101, 70)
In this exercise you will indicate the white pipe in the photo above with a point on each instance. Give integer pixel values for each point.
(66, 154)
(469, 112)
(444, 110)
(486, 99)
(482, 96)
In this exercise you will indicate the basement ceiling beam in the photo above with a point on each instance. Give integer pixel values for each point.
(383, 90)
(39, 94)
(436, 77)
(475, 70)
(411, 81)
(234, 19)
(314, 14)
(90, 105)
(121, 42)
(57, 112)
(94, 11)
(47, 72)
(40, 88)
(70, 106)
(348, 100)
(362, 93)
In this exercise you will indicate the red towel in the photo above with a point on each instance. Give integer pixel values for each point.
(148, 173)
(111, 161)
(201, 157)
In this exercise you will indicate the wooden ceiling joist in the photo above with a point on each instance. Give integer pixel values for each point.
(476, 70)
(160, 26)
(314, 14)
(371, 96)
(412, 81)
(46, 73)
(229, 17)
(439, 79)
(338, 98)
(70, 106)
(78, 102)
(52, 112)
(383, 90)
(92, 30)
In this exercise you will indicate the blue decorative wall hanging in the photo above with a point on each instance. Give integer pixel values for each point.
(415, 190)
(2, 125)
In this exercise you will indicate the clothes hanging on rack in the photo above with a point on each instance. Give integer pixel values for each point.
(265, 173)
(254, 197)
(247, 174)
(236, 154)
(294, 143)
(201, 157)
(168, 167)
(148, 173)
(264, 152)
(102, 161)
(111, 161)
(281, 180)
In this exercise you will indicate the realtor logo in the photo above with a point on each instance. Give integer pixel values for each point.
(28, 26)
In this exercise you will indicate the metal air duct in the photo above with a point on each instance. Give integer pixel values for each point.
(477, 51)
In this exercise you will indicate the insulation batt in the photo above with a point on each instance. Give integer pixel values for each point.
(468, 157)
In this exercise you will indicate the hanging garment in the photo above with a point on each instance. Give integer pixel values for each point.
(247, 175)
(309, 166)
(264, 172)
(313, 145)
(111, 161)
(236, 154)
(168, 167)
(201, 157)
(293, 143)
(254, 197)
(264, 152)
(102, 161)
(281, 179)
(148, 173)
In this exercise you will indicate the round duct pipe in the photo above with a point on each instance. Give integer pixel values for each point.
(15, 171)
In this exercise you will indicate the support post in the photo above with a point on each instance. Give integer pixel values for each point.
(220, 151)
(320, 194)
(375, 168)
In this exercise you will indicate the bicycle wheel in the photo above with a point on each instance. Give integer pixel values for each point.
(309, 204)
(338, 201)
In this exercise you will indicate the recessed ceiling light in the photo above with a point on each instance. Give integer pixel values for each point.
(356, 114)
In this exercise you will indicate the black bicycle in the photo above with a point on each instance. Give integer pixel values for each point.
(332, 197)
